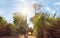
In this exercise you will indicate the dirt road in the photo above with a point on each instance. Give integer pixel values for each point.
(31, 36)
(17, 37)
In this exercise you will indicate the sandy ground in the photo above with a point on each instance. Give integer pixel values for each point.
(17, 36)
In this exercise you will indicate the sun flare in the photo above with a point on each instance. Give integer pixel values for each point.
(25, 10)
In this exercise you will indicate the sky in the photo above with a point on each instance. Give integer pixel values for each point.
(8, 7)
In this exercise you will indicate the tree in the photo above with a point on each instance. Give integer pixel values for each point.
(36, 19)
(42, 21)
(20, 22)
(10, 29)
(3, 24)
(36, 7)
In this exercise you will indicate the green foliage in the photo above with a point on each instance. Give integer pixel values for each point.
(3, 24)
(5, 27)
(2, 21)
(41, 21)
(20, 22)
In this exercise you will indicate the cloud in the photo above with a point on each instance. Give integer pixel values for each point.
(57, 3)
(39, 1)
(23, 3)
(48, 8)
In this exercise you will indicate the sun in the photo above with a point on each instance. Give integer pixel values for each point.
(25, 10)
